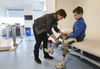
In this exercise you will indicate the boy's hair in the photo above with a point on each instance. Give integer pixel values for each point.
(61, 12)
(78, 10)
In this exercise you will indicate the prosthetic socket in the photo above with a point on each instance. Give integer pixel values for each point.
(65, 45)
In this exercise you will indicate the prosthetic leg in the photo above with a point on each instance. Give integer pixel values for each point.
(65, 45)
(51, 51)
(63, 64)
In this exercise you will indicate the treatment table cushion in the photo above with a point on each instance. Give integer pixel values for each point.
(89, 44)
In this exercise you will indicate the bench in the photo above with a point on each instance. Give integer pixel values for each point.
(90, 45)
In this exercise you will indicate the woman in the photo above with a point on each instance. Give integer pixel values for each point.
(43, 26)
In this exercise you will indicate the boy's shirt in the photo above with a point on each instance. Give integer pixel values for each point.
(79, 28)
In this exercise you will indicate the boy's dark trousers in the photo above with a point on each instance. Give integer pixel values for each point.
(39, 38)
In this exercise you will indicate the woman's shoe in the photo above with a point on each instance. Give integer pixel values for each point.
(48, 57)
(38, 60)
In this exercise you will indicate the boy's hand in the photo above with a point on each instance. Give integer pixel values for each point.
(63, 37)
(64, 34)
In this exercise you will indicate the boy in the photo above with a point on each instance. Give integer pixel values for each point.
(77, 35)
(79, 26)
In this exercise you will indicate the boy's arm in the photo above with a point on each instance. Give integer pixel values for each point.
(77, 31)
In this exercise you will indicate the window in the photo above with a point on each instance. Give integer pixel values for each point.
(15, 13)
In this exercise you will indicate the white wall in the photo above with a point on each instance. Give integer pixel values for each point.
(28, 10)
(44, 9)
(37, 13)
(50, 6)
(68, 6)
(3, 13)
(91, 15)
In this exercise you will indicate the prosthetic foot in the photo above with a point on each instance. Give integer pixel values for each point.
(61, 65)
(51, 51)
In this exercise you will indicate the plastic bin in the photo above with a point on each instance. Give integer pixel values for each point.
(28, 31)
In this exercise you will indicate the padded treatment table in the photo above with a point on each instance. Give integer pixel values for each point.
(90, 45)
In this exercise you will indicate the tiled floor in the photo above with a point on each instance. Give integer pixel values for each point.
(21, 58)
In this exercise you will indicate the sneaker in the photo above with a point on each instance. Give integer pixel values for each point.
(48, 57)
(38, 60)
(61, 65)
(51, 51)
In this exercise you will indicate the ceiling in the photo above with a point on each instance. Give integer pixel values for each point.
(19, 4)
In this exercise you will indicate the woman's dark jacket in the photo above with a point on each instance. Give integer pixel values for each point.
(45, 23)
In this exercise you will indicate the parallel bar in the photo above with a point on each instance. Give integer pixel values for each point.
(7, 31)
(14, 35)
(21, 31)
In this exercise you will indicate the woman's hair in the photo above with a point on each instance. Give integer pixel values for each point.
(61, 12)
